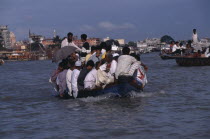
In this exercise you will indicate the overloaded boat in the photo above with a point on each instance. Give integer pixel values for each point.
(190, 61)
(121, 89)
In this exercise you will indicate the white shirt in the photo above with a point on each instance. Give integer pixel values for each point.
(113, 67)
(175, 47)
(123, 66)
(195, 38)
(68, 80)
(74, 77)
(66, 43)
(90, 79)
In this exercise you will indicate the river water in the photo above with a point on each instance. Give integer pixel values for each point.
(175, 104)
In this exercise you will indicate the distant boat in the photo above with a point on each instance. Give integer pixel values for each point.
(189, 61)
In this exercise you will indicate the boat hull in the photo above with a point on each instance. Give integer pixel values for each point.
(121, 90)
(187, 61)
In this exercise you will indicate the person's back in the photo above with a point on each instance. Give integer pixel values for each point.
(124, 63)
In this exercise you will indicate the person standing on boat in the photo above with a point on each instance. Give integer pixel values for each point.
(69, 42)
(85, 47)
(124, 63)
(83, 73)
(74, 78)
(196, 44)
(195, 36)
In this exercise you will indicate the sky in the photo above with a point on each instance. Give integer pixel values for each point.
(129, 19)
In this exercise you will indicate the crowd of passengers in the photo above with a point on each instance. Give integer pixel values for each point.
(95, 67)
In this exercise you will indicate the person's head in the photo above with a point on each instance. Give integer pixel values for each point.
(98, 51)
(172, 43)
(71, 64)
(137, 57)
(90, 64)
(60, 66)
(115, 56)
(97, 65)
(177, 43)
(74, 56)
(126, 51)
(93, 49)
(103, 45)
(181, 44)
(108, 48)
(78, 65)
(109, 58)
(83, 37)
(70, 37)
(194, 31)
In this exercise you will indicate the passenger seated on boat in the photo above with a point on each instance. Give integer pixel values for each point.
(104, 75)
(176, 48)
(91, 78)
(61, 79)
(83, 73)
(124, 63)
(68, 77)
(93, 50)
(74, 78)
(114, 63)
(108, 50)
(138, 72)
(189, 49)
(207, 53)
(197, 54)
(97, 55)
(103, 49)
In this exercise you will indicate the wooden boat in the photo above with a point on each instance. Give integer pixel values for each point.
(168, 56)
(190, 61)
(122, 90)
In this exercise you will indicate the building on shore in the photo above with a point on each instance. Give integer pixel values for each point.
(120, 41)
(12, 39)
(91, 41)
(5, 37)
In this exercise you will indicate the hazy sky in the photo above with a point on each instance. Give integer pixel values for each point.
(129, 19)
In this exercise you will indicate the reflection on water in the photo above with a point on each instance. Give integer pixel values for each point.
(175, 104)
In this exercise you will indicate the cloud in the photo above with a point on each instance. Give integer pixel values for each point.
(110, 26)
(87, 28)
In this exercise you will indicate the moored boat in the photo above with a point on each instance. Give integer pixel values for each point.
(190, 61)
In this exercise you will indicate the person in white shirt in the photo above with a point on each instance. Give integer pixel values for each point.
(91, 78)
(114, 63)
(124, 63)
(195, 36)
(207, 54)
(74, 77)
(68, 77)
(69, 42)
(176, 48)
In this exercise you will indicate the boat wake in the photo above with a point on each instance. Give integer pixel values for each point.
(131, 95)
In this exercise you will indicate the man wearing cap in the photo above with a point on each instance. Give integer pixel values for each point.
(75, 75)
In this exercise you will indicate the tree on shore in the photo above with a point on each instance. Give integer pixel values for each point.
(166, 39)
